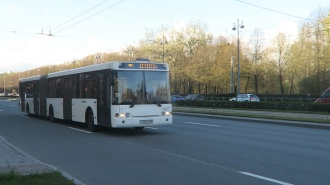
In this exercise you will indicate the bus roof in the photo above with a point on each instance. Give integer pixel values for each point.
(30, 78)
(114, 65)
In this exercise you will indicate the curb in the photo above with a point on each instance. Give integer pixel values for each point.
(260, 120)
(38, 166)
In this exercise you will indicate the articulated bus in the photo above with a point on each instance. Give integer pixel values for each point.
(113, 94)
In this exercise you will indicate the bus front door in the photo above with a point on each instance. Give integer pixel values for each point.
(103, 100)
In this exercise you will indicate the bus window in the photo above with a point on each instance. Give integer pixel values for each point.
(128, 87)
(59, 88)
(157, 87)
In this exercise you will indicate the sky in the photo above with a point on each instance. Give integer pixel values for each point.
(83, 27)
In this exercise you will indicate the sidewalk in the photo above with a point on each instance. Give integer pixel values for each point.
(312, 120)
(12, 158)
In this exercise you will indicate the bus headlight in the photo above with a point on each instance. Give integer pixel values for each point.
(121, 115)
(166, 113)
(127, 115)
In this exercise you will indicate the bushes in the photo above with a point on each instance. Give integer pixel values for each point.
(301, 106)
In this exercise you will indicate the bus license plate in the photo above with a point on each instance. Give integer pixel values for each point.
(146, 121)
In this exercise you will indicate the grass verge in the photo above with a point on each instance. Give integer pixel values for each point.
(263, 116)
(51, 178)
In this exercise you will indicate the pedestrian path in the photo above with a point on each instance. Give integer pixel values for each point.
(12, 158)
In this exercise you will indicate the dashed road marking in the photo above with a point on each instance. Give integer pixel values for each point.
(265, 178)
(152, 128)
(24, 116)
(207, 163)
(203, 124)
(80, 130)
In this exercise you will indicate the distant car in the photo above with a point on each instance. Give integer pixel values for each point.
(325, 97)
(245, 97)
(195, 97)
(176, 97)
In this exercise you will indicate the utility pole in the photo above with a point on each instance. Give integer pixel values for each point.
(238, 64)
(4, 85)
(232, 75)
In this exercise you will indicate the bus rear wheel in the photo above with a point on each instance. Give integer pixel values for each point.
(90, 122)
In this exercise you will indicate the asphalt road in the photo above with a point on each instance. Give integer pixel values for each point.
(191, 151)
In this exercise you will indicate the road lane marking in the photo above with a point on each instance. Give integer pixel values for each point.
(23, 116)
(80, 130)
(203, 124)
(206, 163)
(1, 110)
(152, 128)
(264, 178)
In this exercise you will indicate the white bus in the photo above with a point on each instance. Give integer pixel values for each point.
(114, 94)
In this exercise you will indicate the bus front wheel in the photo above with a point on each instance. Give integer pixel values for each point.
(90, 121)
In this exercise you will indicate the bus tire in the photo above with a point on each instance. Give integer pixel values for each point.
(51, 115)
(138, 128)
(90, 121)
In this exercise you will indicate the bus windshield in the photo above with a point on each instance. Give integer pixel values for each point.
(141, 87)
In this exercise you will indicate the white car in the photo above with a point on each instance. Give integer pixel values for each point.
(245, 97)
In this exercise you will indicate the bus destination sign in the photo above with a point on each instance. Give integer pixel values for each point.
(142, 66)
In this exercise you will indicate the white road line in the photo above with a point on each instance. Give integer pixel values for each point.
(1, 110)
(207, 163)
(23, 116)
(203, 124)
(152, 128)
(265, 178)
(80, 130)
(12, 105)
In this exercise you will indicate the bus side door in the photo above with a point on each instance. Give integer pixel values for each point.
(67, 99)
(36, 98)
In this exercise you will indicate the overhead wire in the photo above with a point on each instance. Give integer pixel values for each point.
(79, 15)
(91, 16)
(40, 15)
(274, 10)
(50, 10)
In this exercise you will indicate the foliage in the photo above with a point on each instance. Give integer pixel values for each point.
(201, 63)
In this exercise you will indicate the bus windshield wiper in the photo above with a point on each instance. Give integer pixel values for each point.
(157, 102)
(132, 104)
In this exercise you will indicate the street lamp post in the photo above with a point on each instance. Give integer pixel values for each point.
(232, 75)
(238, 64)
(4, 85)
(162, 43)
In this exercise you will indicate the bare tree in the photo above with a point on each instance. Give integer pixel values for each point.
(280, 54)
(256, 55)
